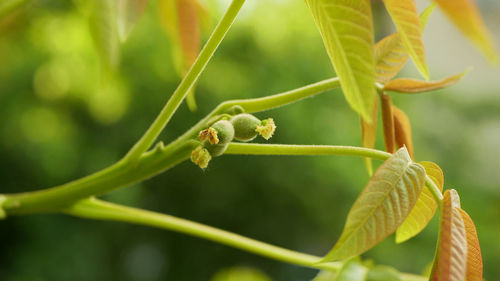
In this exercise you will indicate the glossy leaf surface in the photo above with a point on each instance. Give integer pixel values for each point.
(381, 207)
(347, 31)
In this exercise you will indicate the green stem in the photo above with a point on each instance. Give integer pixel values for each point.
(187, 83)
(435, 191)
(288, 149)
(116, 176)
(97, 209)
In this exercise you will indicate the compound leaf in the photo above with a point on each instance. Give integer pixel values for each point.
(451, 257)
(425, 207)
(347, 31)
(409, 85)
(382, 206)
(405, 16)
(466, 17)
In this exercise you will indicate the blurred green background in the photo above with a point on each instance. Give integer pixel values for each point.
(63, 117)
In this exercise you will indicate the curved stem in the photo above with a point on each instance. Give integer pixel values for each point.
(289, 149)
(436, 193)
(97, 209)
(187, 83)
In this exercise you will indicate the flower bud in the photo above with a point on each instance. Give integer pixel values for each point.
(201, 157)
(266, 128)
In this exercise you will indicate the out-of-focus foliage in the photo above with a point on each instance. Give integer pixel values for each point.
(64, 117)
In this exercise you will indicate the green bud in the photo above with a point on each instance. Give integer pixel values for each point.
(236, 109)
(244, 126)
(221, 132)
(201, 157)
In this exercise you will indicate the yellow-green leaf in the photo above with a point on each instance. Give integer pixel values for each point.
(104, 31)
(382, 206)
(474, 259)
(466, 17)
(391, 54)
(402, 130)
(405, 16)
(409, 85)
(425, 207)
(129, 12)
(451, 257)
(369, 134)
(347, 31)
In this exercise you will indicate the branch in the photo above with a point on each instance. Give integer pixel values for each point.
(187, 83)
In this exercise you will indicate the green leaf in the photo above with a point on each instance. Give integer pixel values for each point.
(129, 12)
(104, 30)
(352, 270)
(425, 208)
(347, 31)
(405, 16)
(383, 273)
(240, 274)
(325, 276)
(391, 54)
(382, 206)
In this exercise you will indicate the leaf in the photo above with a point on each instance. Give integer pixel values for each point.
(382, 206)
(451, 257)
(391, 54)
(388, 123)
(369, 134)
(466, 17)
(409, 85)
(181, 19)
(325, 276)
(129, 12)
(474, 258)
(352, 270)
(104, 31)
(383, 273)
(347, 31)
(405, 16)
(424, 209)
(402, 130)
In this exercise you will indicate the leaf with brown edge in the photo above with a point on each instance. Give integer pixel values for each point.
(405, 16)
(451, 257)
(390, 53)
(409, 85)
(402, 130)
(346, 28)
(369, 134)
(388, 123)
(474, 258)
(466, 17)
(424, 209)
(381, 207)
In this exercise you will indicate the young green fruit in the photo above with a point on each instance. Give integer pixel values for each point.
(244, 127)
(215, 149)
(247, 126)
(221, 132)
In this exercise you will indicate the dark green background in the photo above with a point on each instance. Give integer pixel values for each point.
(63, 118)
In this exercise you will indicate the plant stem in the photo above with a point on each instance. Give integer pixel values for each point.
(288, 149)
(118, 175)
(187, 83)
(97, 209)
(436, 193)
